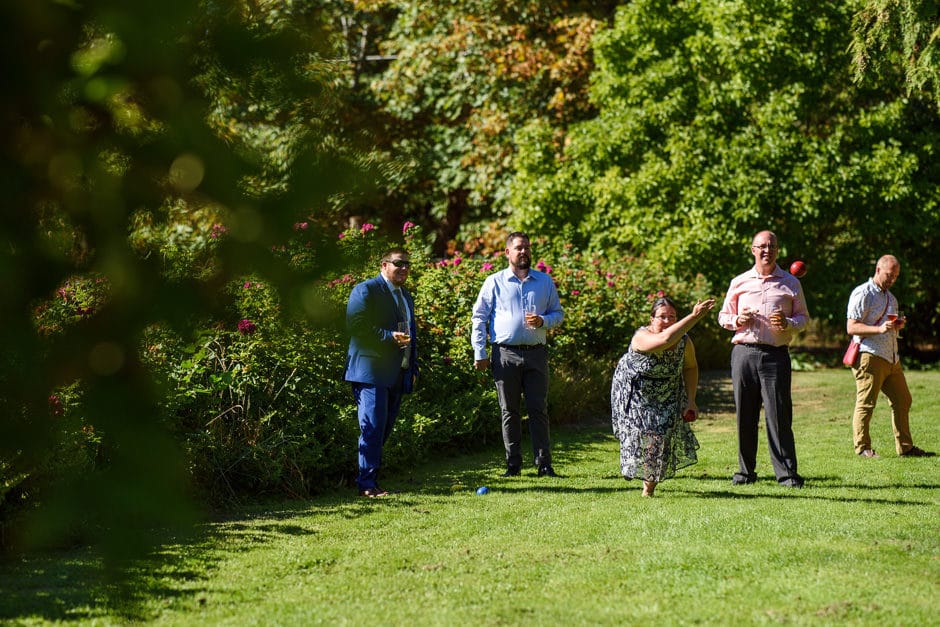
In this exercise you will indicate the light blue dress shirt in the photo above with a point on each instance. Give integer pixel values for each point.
(499, 311)
(869, 304)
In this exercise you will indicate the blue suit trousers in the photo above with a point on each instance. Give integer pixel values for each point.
(378, 408)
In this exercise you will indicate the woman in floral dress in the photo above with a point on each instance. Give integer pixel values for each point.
(654, 387)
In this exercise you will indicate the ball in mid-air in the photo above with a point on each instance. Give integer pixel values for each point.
(483, 490)
(798, 269)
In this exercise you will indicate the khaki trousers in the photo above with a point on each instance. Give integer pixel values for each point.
(872, 376)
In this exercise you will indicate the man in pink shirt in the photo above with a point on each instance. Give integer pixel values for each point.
(764, 307)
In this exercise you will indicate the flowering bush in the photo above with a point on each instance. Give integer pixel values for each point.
(257, 396)
(79, 298)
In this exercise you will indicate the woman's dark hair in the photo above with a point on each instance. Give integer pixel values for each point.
(662, 301)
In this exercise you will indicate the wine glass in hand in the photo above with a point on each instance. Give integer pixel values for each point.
(530, 317)
(747, 314)
(403, 335)
(892, 317)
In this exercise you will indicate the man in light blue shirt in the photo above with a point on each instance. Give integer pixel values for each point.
(515, 307)
(874, 321)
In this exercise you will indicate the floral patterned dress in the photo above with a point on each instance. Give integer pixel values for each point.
(647, 397)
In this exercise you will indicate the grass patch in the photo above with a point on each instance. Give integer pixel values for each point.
(859, 544)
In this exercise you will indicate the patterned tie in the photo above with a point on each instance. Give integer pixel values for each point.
(403, 313)
(402, 309)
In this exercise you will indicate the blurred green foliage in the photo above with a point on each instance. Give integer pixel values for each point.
(120, 182)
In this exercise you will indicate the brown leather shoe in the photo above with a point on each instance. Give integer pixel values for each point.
(869, 453)
(917, 452)
(373, 493)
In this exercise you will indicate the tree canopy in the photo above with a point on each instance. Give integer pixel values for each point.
(716, 120)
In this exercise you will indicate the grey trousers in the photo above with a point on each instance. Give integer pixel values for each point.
(761, 375)
(519, 371)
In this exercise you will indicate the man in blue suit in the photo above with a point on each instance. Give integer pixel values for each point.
(382, 362)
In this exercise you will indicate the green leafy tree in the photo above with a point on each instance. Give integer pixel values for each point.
(465, 76)
(892, 35)
(718, 119)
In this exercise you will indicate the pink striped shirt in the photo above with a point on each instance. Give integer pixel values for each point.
(762, 294)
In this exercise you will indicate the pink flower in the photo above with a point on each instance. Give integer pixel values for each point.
(610, 283)
(660, 294)
(407, 225)
(575, 292)
(486, 266)
(217, 231)
(246, 327)
(301, 226)
(457, 261)
(541, 265)
(443, 263)
(246, 285)
(342, 235)
(367, 227)
(346, 278)
(55, 405)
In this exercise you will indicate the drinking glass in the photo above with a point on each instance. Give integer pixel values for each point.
(899, 316)
(529, 310)
(747, 311)
(404, 330)
(892, 317)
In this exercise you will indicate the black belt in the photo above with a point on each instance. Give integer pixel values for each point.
(764, 347)
(522, 347)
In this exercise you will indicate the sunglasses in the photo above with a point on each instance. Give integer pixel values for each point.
(400, 263)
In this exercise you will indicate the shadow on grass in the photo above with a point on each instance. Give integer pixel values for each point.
(72, 586)
(75, 584)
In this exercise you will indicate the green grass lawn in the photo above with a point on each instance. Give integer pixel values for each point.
(859, 544)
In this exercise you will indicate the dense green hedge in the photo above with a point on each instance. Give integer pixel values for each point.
(259, 402)
(256, 398)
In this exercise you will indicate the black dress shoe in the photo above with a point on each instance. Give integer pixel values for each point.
(512, 471)
(795, 481)
(547, 471)
(917, 452)
(739, 479)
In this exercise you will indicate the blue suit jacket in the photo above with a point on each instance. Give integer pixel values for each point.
(371, 317)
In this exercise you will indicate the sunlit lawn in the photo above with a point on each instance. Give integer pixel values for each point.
(859, 544)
